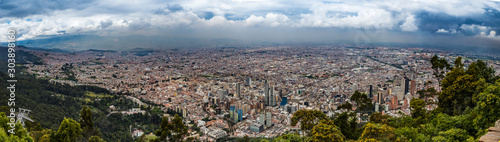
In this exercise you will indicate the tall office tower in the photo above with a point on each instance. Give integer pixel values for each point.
(272, 98)
(406, 85)
(380, 97)
(284, 101)
(262, 118)
(355, 86)
(268, 119)
(221, 94)
(266, 92)
(400, 92)
(371, 89)
(249, 81)
(389, 91)
(238, 90)
(413, 87)
(231, 112)
(235, 118)
(240, 114)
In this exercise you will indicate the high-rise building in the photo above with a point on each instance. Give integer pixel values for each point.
(284, 101)
(413, 87)
(370, 95)
(272, 97)
(262, 118)
(184, 113)
(406, 85)
(266, 93)
(221, 94)
(380, 98)
(240, 114)
(238, 91)
(235, 119)
(268, 119)
(255, 127)
(400, 92)
(249, 81)
(231, 111)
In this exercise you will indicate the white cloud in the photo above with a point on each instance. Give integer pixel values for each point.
(107, 17)
(442, 31)
(492, 34)
(366, 19)
(409, 24)
(271, 19)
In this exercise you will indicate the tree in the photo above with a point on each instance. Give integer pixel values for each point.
(178, 128)
(454, 135)
(346, 106)
(95, 139)
(289, 138)
(69, 131)
(418, 111)
(378, 132)
(439, 66)
(481, 70)
(427, 93)
(362, 101)
(45, 138)
(308, 118)
(460, 87)
(409, 134)
(326, 133)
(38, 135)
(174, 131)
(379, 118)
(347, 124)
(87, 124)
(488, 106)
(165, 129)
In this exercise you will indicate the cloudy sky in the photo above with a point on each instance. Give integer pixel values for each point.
(438, 22)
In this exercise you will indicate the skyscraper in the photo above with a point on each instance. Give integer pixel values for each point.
(238, 91)
(235, 119)
(266, 93)
(221, 94)
(240, 114)
(371, 89)
(268, 119)
(406, 85)
(413, 87)
(272, 97)
(249, 81)
(231, 112)
(262, 118)
(284, 101)
(380, 98)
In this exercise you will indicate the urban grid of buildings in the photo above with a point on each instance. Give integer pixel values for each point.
(253, 91)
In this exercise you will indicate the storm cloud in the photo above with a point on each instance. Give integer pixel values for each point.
(279, 20)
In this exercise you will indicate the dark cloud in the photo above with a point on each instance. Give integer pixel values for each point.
(105, 24)
(206, 15)
(431, 22)
(22, 8)
(174, 7)
(168, 9)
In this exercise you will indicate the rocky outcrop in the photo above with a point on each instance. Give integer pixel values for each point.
(493, 134)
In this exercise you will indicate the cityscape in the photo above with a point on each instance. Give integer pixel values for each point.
(250, 71)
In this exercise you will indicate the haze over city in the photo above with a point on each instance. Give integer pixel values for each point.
(189, 23)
